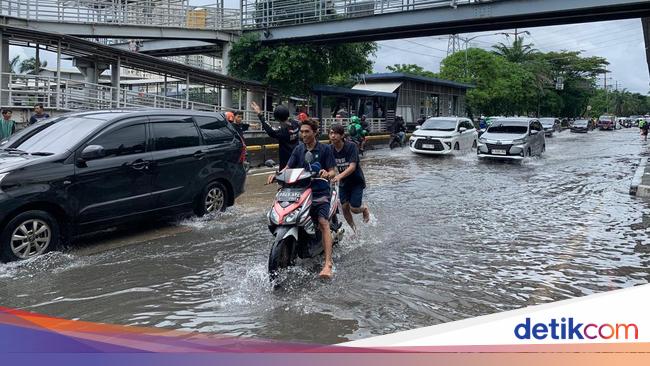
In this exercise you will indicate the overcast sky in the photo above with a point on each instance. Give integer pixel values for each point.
(620, 42)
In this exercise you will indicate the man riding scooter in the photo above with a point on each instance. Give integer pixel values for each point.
(320, 190)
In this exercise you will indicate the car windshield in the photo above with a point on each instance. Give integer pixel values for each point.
(580, 123)
(507, 128)
(53, 136)
(440, 125)
(605, 118)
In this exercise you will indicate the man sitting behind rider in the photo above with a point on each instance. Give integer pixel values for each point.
(352, 182)
(320, 190)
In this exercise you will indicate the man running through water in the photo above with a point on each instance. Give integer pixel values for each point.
(320, 190)
(350, 176)
(287, 134)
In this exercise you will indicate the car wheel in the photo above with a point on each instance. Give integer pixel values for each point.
(213, 199)
(28, 235)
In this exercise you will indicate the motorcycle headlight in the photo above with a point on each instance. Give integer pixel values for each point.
(519, 141)
(273, 217)
(292, 217)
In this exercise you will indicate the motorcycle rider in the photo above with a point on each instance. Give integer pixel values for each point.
(320, 190)
(350, 176)
(399, 129)
(356, 132)
(288, 133)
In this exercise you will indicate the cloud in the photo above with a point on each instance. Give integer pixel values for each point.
(620, 42)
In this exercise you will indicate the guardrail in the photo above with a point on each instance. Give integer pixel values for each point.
(275, 13)
(165, 13)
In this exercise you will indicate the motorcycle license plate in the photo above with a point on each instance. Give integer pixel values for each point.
(289, 196)
(498, 152)
(428, 146)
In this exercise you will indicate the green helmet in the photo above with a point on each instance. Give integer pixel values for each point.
(355, 119)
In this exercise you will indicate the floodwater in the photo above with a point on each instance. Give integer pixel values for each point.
(450, 238)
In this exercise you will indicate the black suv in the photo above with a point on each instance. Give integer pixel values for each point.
(90, 170)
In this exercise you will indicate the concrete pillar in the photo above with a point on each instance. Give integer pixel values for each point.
(4, 68)
(115, 82)
(226, 93)
(91, 70)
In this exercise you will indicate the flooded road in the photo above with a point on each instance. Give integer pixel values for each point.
(450, 238)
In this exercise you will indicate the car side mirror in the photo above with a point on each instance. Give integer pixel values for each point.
(418, 127)
(533, 132)
(462, 129)
(92, 152)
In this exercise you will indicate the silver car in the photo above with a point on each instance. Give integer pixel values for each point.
(550, 125)
(512, 138)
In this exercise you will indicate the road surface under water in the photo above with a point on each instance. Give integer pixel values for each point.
(450, 238)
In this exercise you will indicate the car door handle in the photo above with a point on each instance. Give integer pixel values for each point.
(138, 164)
(199, 155)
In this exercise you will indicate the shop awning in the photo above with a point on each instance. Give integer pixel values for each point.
(385, 87)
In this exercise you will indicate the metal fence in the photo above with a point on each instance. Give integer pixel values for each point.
(165, 13)
(274, 13)
(375, 124)
(24, 90)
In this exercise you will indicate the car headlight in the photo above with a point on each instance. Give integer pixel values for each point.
(482, 140)
(519, 141)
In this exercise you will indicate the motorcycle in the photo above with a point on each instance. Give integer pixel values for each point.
(396, 139)
(296, 234)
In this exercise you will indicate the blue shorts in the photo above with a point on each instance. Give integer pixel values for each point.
(320, 208)
(352, 194)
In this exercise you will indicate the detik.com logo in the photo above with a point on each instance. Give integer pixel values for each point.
(568, 328)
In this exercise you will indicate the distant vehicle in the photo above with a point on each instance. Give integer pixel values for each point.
(512, 138)
(581, 125)
(85, 171)
(624, 122)
(550, 125)
(606, 122)
(442, 135)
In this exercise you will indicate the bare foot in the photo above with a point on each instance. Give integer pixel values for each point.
(326, 273)
(366, 215)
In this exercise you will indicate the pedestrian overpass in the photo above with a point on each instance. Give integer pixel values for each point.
(365, 20)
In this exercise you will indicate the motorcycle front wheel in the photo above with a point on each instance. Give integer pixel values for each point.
(280, 256)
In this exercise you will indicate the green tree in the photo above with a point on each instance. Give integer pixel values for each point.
(502, 87)
(31, 66)
(13, 63)
(518, 52)
(294, 69)
(411, 69)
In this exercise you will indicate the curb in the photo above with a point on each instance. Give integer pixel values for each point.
(637, 188)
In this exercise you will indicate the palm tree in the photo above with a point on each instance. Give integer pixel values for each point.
(13, 63)
(517, 53)
(31, 66)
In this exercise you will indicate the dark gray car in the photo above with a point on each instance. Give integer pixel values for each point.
(85, 171)
(512, 138)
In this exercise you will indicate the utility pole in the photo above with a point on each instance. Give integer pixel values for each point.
(606, 94)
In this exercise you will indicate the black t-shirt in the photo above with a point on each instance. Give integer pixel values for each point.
(287, 136)
(322, 154)
(349, 154)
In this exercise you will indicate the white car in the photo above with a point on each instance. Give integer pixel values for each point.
(442, 135)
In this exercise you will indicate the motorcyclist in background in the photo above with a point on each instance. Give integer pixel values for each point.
(399, 129)
(356, 132)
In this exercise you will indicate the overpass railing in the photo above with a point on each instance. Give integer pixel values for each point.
(276, 13)
(165, 13)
